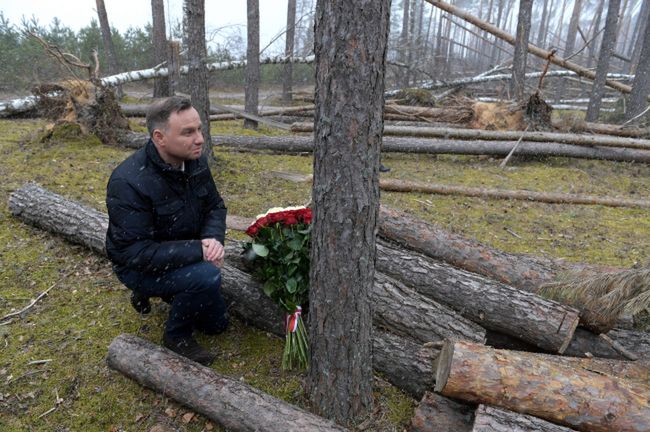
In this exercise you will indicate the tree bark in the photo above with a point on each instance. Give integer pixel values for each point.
(228, 402)
(641, 85)
(543, 323)
(409, 314)
(586, 343)
(530, 384)
(528, 136)
(350, 48)
(437, 413)
(107, 40)
(287, 77)
(491, 419)
(404, 42)
(641, 26)
(160, 85)
(404, 363)
(197, 75)
(252, 62)
(517, 85)
(606, 50)
(174, 66)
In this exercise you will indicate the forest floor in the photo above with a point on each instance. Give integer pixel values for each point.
(71, 328)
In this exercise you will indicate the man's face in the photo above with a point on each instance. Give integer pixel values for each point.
(182, 139)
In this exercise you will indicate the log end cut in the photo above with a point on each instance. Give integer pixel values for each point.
(443, 366)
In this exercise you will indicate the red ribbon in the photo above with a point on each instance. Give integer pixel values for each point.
(291, 320)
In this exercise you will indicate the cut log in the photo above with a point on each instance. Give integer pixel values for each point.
(230, 403)
(531, 384)
(304, 144)
(586, 343)
(437, 413)
(526, 316)
(491, 419)
(81, 225)
(396, 185)
(505, 135)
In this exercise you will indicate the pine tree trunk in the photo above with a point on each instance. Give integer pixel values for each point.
(287, 77)
(541, 31)
(518, 83)
(160, 85)
(640, 32)
(226, 401)
(197, 74)
(253, 62)
(535, 385)
(641, 85)
(606, 50)
(107, 40)
(351, 40)
(593, 33)
(404, 42)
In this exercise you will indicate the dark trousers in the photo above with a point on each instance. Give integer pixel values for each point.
(196, 291)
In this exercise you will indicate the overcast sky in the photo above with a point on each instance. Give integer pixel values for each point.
(123, 14)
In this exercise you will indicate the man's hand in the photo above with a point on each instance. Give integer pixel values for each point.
(213, 251)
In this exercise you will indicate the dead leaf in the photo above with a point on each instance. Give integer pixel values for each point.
(209, 426)
(187, 417)
(170, 412)
(139, 417)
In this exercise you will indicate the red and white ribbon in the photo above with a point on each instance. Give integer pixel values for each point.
(291, 320)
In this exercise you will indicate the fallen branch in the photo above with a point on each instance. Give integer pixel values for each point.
(30, 305)
(231, 403)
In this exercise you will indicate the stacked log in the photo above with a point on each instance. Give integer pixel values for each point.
(423, 297)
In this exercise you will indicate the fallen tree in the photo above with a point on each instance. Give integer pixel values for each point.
(491, 419)
(304, 144)
(395, 185)
(534, 385)
(402, 361)
(229, 402)
(505, 135)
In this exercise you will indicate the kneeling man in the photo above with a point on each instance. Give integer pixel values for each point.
(167, 225)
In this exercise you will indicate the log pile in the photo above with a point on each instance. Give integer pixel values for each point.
(439, 296)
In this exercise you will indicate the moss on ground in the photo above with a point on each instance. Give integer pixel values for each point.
(87, 307)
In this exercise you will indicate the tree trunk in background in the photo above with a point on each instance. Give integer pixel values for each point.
(287, 78)
(253, 62)
(404, 43)
(641, 27)
(518, 83)
(107, 41)
(197, 74)
(350, 47)
(160, 85)
(592, 34)
(606, 50)
(641, 85)
(174, 66)
(569, 47)
(541, 31)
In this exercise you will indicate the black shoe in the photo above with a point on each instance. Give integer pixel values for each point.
(383, 168)
(140, 303)
(188, 347)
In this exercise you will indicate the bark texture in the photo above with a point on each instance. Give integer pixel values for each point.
(107, 40)
(197, 74)
(606, 50)
(350, 48)
(437, 413)
(517, 85)
(523, 315)
(230, 403)
(252, 61)
(530, 384)
(641, 84)
(160, 85)
(491, 419)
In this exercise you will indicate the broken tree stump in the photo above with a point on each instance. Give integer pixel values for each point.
(534, 385)
(226, 401)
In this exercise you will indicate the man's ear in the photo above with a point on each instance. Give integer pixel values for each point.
(157, 136)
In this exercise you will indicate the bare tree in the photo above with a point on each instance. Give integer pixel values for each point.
(350, 46)
(606, 50)
(287, 78)
(517, 85)
(197, 75)
(160, 49)
(404, 41)
(593, 33)
(641, 84)
(641, 29)
(252, 61)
